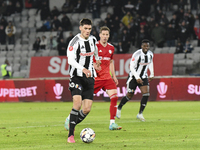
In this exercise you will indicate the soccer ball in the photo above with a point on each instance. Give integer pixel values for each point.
(87, 135)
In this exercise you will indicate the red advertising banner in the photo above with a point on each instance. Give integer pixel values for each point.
(58, 66)
(22, 90)
(161, 89)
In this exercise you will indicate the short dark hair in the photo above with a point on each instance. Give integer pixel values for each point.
(85, 21)
(145, 41)
(104, 28)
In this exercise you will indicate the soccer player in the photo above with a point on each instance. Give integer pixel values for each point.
(141, 61)
(80, 52)
(104, 80)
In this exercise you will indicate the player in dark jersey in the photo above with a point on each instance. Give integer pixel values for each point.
(141, 61)
(80, 54)
(104, 80)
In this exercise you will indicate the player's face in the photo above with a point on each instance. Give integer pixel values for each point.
(145, 47)
(85, 31)
(104, 36)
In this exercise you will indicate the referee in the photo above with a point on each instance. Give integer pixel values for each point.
(80, 54)
(141, 61)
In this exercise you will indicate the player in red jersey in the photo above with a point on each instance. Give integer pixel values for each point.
(104, 80)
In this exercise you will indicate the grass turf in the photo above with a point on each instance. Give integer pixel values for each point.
(39, 126)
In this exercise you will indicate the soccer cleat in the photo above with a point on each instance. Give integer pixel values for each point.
(140, 116)
(118, 114)
(71, 139)
(114, 126)
(66, 125)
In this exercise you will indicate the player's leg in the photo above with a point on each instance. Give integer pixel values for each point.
(113, 109)
(145, 95)
(87, 96)
(131, 86)
(77, 100)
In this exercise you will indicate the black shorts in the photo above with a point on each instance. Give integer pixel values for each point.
(132, 83)
(82, 86)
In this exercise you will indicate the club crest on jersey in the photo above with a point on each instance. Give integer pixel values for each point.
(100, 50)
(110, 51)
(133, 59)
(70, 48)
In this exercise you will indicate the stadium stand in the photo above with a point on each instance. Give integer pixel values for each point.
(29, 21)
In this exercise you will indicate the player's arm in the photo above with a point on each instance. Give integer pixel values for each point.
(151, 69)
(112, 70)
(71, 54)
(133, 63)
(98, 62)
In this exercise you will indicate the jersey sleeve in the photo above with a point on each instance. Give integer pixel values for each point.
(96, 49)
(151, 68)
(133, 63)
(71, 54)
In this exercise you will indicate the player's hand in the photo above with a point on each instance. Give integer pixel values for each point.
(139, 81)
(115, 80)
(87, 72)
(97, 68)
(150, 79)
(98, 63)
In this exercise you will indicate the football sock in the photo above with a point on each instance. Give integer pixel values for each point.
(73, 121)
(81, 116)
(143, 102)
(113, 105)
(112, 121)
(123, 102)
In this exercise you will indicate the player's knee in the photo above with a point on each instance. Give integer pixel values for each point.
(130, 95)
(114, 97)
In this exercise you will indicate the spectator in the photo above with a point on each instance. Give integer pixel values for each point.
(128, 7)
(170, 36)
(183, 33)
(3, 22)
(56, 23)
(197, 28)
(3, 9)
(164, 21)
(69, 38)
(127, 19)
(6, 70)
(52, 43)
(126, 40)
(55, 12)
(140, 36)
(43, 43)
(121, 49)
(158, 35)
(45, 11)
(46, 26)
(10, 9)
(79, 7)
(66, 23)
(36, 44)
(188, 47)
(174, 22)
(62, 48)
(59, 34)
(94, 8)
(179, 47)
(67, 7)
(116, 23)
(10, 32)
(18, 7)
(3, 35)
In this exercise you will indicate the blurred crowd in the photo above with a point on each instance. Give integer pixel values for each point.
(130, 22)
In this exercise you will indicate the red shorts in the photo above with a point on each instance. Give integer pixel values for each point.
(108, 84)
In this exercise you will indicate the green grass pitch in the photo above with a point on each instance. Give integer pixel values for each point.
(172, 125)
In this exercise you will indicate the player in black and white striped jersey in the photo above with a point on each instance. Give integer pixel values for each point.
(80, 54)
(141, 61)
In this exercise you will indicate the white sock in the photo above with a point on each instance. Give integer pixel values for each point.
(112, 121)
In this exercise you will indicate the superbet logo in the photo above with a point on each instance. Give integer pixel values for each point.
(162, 89)
(193, 89)
(58, 89)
